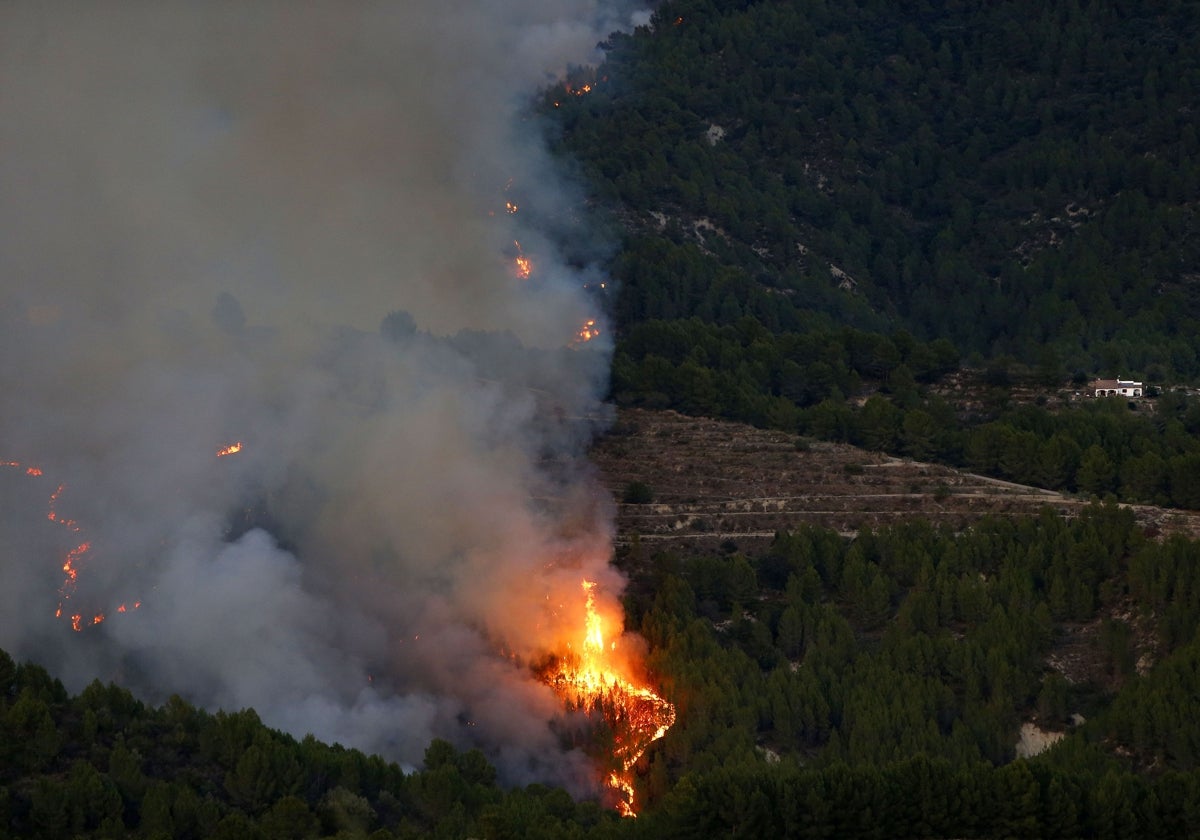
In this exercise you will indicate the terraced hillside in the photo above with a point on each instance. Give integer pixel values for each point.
(712, 481)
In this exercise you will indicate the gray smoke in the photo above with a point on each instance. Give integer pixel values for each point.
(283, 224)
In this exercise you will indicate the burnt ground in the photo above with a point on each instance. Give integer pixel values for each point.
(714, 481)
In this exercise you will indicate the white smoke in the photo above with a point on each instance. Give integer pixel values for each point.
(206, 213)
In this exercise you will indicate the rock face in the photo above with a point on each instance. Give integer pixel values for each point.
(1034, 740)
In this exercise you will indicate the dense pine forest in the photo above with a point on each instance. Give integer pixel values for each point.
(823, 202)
(1018, 178)
(827, 214)
(829, 687)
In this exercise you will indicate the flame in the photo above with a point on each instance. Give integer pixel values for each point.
(580, 88)
(73, 558)
(523, 264)
(594, 679)
(70, 569)
(510, 207)
(587, 332)
(231, 449)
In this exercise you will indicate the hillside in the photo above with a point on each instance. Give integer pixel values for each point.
(893, 574)
(714, 481)
(1016, 177)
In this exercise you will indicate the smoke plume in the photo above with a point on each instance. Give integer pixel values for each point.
(284, 225)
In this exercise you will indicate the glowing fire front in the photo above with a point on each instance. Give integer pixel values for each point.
(75, 557)
(593, 679)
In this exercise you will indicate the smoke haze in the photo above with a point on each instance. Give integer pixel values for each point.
(283, 224)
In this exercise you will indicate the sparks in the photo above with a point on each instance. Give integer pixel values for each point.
(231, 449)
(591, 679)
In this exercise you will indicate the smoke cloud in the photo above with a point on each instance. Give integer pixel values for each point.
(284, 224)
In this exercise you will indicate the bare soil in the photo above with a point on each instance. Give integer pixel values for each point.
(715, 481)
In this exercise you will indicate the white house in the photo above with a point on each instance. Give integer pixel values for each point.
(1116, 388)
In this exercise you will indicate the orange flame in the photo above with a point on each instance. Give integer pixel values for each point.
(231, 449)
(32, 471)
(587, 332)
(523, 264)
(74, 557)
(594, 679)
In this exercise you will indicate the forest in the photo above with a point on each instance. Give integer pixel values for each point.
(828, 208)
(1017, 178)
(824, 213)
(863, 687)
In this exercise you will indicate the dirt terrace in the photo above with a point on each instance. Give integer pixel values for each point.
(714, 481)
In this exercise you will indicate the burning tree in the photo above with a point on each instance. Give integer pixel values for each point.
(596, 679)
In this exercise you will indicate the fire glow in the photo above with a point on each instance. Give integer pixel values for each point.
(587, 332)
(522, 263)
(595, 678)
(74, 558)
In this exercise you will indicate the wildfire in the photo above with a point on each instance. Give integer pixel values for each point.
(73, 558)
(523, 264)
(587, 332)
(593, 679)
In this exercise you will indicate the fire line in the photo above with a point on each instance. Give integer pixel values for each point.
(593, 679)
